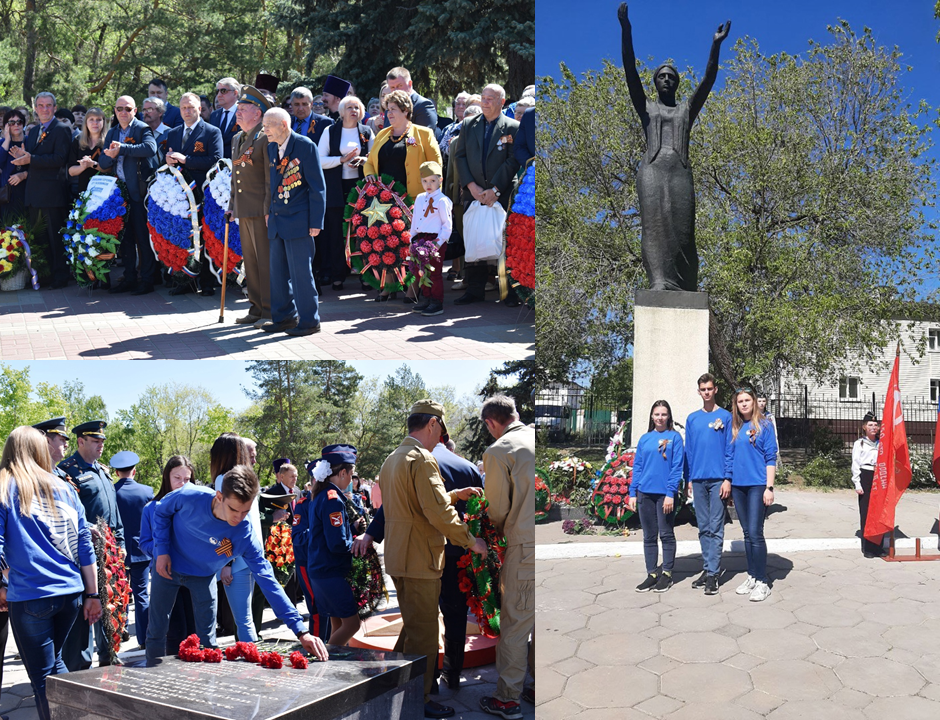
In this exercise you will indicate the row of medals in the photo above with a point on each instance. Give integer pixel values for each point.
(289, 182)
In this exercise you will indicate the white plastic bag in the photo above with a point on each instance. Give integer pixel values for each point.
(483, 231)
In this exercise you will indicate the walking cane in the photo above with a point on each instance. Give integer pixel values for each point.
(224, 273)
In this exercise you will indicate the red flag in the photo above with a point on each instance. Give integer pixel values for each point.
(936, 448)
(893, 468)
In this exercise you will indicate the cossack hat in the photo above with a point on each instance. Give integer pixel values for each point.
(336, 86)
(279, 462)
(263, 81)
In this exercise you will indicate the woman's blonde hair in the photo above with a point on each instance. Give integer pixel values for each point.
(27, 464)
(84, 140)
(737, 422)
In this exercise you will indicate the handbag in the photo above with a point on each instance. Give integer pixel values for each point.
(483, 231)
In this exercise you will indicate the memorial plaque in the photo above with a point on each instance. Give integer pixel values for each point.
(353, 683)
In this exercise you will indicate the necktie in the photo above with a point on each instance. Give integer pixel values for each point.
(186, 133)
(227, 120)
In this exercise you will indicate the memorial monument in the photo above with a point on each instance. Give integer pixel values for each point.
(671, 318)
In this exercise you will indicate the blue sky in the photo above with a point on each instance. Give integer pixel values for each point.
(120, 382)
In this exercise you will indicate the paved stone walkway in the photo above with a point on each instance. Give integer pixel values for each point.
(81, 324)
(841, 637)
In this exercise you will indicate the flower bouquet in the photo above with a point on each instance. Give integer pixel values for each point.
(569, 468)
(15, 260)
(217, 190)
(113, 586)
(378, 215)
(424, 254)
(279, 551)
(173, 221)
(92, 234)
(612, 486)
(479, 577)
(520, 241)
(543, 496)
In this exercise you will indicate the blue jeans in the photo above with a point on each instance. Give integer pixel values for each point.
(656, 523)
(749, 503)
(139, 573)
(293, 291)
(710, 516)
(40, 628)
(163, 596)
(239, 599)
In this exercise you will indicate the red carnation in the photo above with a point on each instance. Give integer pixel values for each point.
(608, 498)
(212, 655)
(406, 237)
(272, 660)
(392, 242)
(298, 661)
(403, 252)
(385, 229)
(617, 499)
(615, 463)
(373, 232)
(232, 653)
(374, 259)
(395, 212)
(386, 196)
(372, 191)
(249, 651)
(605, 489)
(378, 245)
(356, 220)
(398, 225)
(361, 204)
(365, 246)
(361, 231)
(388, 258)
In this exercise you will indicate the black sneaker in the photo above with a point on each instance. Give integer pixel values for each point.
(663, 583)
(647, 584)
(711, 585)
(700, 580)
(421, 306)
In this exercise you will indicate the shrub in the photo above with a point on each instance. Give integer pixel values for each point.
(826, 471)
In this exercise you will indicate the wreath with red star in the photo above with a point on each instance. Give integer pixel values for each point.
(378, 241)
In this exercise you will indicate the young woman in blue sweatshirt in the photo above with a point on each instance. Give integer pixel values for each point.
(657, 470)
(47, 544)
(751, 466)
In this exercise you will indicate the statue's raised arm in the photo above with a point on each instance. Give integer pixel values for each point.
(711, 72)
(629, 64)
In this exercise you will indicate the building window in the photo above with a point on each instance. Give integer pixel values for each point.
(934, 391)
(848, 389)
(933, 339)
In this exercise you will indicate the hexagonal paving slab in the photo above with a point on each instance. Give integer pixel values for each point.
(618, 649)
(776, 644)
(795, 680)
(824, 615)
(814, 710)
(699, 647)
(880, 677)
(863, 640)
(705, 683)
(612, 686)
(908, 708)
(703, 619)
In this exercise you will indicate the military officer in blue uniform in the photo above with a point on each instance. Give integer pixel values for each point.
(298, 206)
(96, 491)
(132, 496)
(58, 439)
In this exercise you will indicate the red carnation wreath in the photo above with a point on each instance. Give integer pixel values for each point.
(113, 586)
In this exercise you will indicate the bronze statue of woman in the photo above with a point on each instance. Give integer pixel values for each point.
(664, 179)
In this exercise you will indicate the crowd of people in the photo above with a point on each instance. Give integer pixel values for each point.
(195, 551)
(309, 151)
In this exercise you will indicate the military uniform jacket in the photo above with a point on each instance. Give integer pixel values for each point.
(132, 497)
(251, 181)
(509, 467)
(419, 513)
(329, 536)
(96, 492)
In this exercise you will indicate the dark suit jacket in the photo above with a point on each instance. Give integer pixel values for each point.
(525, 139)
(198, 161)
(268, 505)
(499, 167)
(131, 498)
(424, 113)
(227, 133)
(306, 205)
(46, 185)
(172, 116)
(138, 153)
(318, 124)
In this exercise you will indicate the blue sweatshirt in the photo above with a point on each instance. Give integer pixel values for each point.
(749, 455)
(200, 544)
(45, 555)
(145, 541)
(652, 473)
(706, 443)
(330, 536)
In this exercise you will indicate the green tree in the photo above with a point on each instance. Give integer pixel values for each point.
(15, 405)
(811, 180)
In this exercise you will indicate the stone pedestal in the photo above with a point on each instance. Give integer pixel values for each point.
(670, 353)
(354, 684)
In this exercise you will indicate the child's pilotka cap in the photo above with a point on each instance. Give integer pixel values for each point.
(431, 168)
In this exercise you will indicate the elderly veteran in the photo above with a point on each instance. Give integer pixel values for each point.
(419, 515)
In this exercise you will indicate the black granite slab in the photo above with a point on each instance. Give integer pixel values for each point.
(176, 690)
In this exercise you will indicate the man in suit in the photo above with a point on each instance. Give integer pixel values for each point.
(334, 90)
(131, 499)
(509, 466)
(424, 112)
(486, 169)
(194, 146)
(524, 145)
(131, 150)
(250, 200)
(44, 155)
(306, 122)
(157, 88)
(226, 97)
(298, 204)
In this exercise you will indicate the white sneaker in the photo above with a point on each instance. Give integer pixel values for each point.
(746, 587)
(760, 592)
(458, 285)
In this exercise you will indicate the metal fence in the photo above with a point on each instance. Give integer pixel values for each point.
(574, 417)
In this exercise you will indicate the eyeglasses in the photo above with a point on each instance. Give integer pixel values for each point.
(223, 90)
(123, 109)
(14, 122)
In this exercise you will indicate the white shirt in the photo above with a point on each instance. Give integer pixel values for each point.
(282, 148)
(161, 128)
(440, 221)
(864, 457)
(348, 136)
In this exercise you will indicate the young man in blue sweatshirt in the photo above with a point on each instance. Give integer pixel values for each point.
(196, 532)
(706, 442)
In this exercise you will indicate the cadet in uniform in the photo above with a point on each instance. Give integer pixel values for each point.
(330, 540)
(58, 439)
(96, 493)
(132, 497)
(418, 516)
(319, 621)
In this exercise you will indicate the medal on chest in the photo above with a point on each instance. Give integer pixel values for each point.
(290, 178)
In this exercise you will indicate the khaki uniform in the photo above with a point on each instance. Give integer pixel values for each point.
(509, 467)
(250, 200)
(419, 513)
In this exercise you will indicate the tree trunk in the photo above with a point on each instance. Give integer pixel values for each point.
(720, 356)
(29, 65)
(521, 74)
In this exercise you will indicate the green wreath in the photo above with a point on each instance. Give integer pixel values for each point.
(482, 589)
